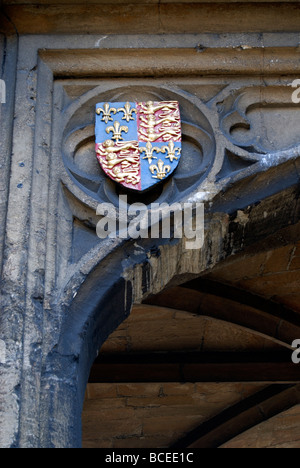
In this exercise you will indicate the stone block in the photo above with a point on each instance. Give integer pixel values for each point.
(101, 391)
(278, 260)
(139, 390)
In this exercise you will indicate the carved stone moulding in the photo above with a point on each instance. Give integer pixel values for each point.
(199, 146)
(163, 17)
(229, 125)
(230, 102)
(234, 130)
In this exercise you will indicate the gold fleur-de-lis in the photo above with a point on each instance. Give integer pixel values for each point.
(128, 111)
(171, 150)
(161, 170)
(149, 150)
(107, 111)
(117, 130)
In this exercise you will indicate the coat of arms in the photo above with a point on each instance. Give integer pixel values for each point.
(138, 144)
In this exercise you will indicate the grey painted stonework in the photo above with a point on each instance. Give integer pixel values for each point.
(63, 290)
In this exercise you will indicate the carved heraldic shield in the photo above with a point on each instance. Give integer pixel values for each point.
(138, 144)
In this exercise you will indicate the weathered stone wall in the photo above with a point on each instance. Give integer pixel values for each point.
(62, 291)
(153, 415)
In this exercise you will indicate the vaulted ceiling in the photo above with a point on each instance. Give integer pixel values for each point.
(204, 364)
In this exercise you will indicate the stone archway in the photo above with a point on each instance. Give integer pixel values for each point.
(154, 382)
(106, 297)
(63, 292)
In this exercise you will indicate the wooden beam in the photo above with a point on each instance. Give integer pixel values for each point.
(240, 417)
(247, 298)
(231, 305)
(195, 367)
